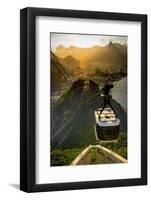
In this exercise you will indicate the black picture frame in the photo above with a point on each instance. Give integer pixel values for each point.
(28, 98)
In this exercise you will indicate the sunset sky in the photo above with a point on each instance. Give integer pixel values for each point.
(81, 40)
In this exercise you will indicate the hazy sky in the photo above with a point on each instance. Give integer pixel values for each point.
(80, 40)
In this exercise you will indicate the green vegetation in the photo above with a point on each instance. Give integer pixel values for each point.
(61, 99)
(83, 133)
(72, 119)
(120, 147)
(93, 155)
(72, 124)
(60, 157)
(77, 75)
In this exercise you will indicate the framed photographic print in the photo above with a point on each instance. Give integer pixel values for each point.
(83, 99)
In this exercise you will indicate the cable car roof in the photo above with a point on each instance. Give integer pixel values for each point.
(106, 122)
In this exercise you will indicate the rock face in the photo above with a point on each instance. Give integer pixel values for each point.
(72, 117)
(119, 92)
(59, 75)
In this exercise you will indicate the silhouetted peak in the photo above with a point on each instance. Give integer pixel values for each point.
(110, 43)
(60, 47)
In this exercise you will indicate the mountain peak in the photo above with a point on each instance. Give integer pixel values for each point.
(110, 43)
(69, 57)
(72, 47)
(60, 47)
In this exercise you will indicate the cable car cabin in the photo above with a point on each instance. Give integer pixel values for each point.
(107, 124)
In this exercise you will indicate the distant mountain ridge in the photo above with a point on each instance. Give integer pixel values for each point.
(71, 64)
(76, 52)
(111, 58)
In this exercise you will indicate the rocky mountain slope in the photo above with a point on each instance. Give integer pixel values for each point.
(72, 117)
(119, 92)
(59, 76)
